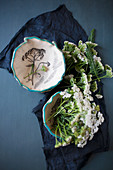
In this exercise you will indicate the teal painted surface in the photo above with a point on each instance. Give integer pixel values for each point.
(14, 73)
(43, 111)
(20, 139)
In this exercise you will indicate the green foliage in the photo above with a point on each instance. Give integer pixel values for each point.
(77, 105)
(92, 36)
(82, 46)
(97, 108)
(109, 74)
(89, 77)
(92, 64)
(94, 86)
(83, 58)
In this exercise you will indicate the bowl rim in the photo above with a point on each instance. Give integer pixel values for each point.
(14, 73)
(43, 112)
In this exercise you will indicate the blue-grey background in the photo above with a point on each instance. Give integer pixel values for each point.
(20, 138)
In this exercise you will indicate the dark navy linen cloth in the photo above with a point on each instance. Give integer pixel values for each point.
(59, 26)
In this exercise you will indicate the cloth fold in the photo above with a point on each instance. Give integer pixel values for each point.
(59, 26)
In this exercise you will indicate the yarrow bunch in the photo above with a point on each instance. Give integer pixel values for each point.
(77, 117)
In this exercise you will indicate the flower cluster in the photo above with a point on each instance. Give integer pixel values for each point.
(81, 116)
(84, 59)
(77, 117)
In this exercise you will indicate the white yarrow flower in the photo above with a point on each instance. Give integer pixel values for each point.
(96, 129)
(73, 129)
(81, 145)
(91, 137)
(72, 104)
(70, 43)
(68, 139)
(99, 96)
(75, 88)
(64, 144)
(86, 112)
(66, 95)
(79, 137)
(96, 58)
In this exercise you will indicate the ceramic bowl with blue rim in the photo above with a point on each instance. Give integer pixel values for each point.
(48, 111)
(37, 64)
